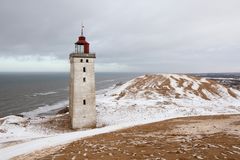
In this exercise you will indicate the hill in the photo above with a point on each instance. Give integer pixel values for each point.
(155, 97)
(174, 86)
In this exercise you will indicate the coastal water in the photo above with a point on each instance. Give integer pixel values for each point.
(24, 92)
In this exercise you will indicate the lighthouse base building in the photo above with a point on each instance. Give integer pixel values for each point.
(82, 96)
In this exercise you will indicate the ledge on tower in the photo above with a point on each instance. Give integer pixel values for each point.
(82, 55)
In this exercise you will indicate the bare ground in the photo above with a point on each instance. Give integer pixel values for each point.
(202, 137)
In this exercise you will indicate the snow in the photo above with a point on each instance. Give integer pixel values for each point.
(139, 108)
(31, 146)
(116, 114)
(204, 80)
(14, 129)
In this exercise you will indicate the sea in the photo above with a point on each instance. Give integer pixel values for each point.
(39, 93)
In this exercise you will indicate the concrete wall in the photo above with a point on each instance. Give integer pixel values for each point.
(82, 116)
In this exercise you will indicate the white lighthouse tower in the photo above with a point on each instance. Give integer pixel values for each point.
(82, 97)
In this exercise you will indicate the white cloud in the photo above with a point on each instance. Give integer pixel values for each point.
(33, 64)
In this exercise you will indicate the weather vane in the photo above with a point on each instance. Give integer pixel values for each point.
(82, 27)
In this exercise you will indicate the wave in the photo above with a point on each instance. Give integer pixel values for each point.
(105, 81)
(43, 93)
(63, 89)
(46, 109)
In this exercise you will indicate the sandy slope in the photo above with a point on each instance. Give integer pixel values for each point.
(207, 137)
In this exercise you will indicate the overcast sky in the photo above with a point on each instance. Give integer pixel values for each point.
(127, 35)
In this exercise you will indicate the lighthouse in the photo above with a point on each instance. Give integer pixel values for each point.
(82, 97)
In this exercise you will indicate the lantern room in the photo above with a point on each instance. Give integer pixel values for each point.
(82, 46)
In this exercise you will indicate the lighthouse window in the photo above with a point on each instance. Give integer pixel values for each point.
(87, 60)
(81, 49)
(84, 79)
(84, 102)
(81, 60)
(84, 69)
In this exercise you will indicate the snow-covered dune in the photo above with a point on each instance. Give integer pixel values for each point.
(174, 86)
(157, 97)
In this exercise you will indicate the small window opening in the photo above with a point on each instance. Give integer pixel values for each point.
(81, 60)
(87, 60)
(84, 79)
(84, 102)
(84, 69)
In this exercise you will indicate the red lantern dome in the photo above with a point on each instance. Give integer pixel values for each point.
(82, 46)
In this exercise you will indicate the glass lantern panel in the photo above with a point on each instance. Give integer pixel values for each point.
(81, 48)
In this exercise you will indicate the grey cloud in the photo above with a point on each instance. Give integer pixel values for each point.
(156, 35)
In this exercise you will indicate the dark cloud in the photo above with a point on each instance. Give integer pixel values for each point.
(156, 35)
